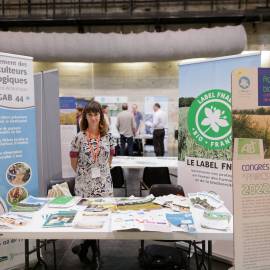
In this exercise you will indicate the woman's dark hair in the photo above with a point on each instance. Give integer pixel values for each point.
(94, 107)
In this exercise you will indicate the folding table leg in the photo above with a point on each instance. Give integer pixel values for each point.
(26, 254)
(209, 255)
(54, 255)
(204, 257)
(40, 260)
(196, 255)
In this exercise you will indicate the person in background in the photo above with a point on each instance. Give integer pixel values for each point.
(91, 155)
(126, 126)
(159, 124)
(137, 116)
(105, 110)
(79, 111)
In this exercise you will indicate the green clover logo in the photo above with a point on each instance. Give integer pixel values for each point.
(214, 119)
(209, 119)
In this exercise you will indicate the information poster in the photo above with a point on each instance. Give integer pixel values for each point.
(251, 168)
(205, 152)
(18, 158)
(68, 129)
(18, 154)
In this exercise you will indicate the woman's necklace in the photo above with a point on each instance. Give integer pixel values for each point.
(94, 152)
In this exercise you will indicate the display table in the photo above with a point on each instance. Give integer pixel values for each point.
(34, 230)
(142, 162)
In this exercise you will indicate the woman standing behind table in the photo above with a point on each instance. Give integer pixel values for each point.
(91, 156)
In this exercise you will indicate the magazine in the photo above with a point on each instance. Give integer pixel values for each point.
(60, 219)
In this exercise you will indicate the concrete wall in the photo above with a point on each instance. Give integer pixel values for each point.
(134, 80)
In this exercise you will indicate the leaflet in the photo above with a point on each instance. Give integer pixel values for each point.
(91, 220)
(14, 221)
(139, 220)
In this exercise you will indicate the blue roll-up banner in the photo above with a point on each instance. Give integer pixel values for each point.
(18, 153)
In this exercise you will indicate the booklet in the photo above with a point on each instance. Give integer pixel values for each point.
(181, 220)
(60, 219)
(216, 220)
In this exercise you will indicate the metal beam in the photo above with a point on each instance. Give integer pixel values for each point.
(144, 19)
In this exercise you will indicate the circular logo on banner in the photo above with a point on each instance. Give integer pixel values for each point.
(210, 121)
(244, 82)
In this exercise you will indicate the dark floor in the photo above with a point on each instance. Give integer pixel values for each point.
(116, 255)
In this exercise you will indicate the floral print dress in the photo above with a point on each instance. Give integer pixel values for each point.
(85, 184)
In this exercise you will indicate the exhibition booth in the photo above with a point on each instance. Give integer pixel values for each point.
(221, 165)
